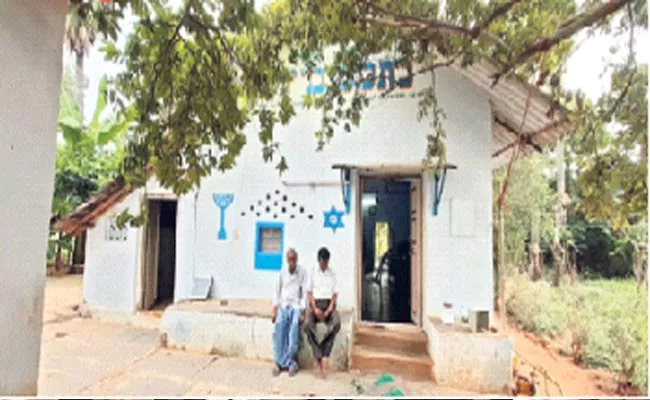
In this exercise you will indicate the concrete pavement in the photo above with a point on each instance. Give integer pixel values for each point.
(82, 357)
(62, 293)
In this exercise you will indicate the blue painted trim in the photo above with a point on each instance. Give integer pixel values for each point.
(268, 261)
(435, 196)
(438, 188)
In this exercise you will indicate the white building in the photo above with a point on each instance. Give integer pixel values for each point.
(364, 193)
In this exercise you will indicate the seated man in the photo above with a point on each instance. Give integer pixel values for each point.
(322, 299)
(289, 304)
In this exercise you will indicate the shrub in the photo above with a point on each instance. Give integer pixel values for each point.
(537, 307)
(608, 317)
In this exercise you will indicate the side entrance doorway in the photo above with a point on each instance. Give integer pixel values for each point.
(159, 266)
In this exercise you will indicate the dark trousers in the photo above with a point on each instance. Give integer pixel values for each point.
(333, 323)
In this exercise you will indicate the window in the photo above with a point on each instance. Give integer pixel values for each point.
(113, 233)
(269, 245)
(271, 240)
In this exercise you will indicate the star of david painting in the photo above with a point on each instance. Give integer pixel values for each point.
(333, 219)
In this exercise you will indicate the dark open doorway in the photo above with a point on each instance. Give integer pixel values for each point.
(386, 250)
(167, 252)
(159, 272)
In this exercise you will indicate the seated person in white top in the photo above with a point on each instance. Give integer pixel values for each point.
(288, 313)
(322, 294)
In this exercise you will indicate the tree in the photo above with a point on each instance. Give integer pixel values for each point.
(612, 163)
(89, 157)
(611, 149)
(563, 249)
(86, 19)
(199, 74)
(211, 75)
(637, 236)
(527, 216)
(530, 208)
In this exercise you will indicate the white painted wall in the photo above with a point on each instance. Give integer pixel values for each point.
(112, 267)
(30, 78)
(458, 269)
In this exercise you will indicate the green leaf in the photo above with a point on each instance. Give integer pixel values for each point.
(71, 129)
(94, 126)
(110, 132)
(110, 51)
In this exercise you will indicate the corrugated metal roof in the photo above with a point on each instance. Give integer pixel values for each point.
(509, 100)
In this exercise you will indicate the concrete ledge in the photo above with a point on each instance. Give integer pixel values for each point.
(243, 328)
(240, 307)
(479, 362)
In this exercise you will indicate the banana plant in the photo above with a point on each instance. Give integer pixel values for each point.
(101, 132)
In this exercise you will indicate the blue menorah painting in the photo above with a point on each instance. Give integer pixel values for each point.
(222, 200)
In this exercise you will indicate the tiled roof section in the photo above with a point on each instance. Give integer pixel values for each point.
(86, 214)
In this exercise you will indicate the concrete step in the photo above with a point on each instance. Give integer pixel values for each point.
(408, 339)
(414, 365)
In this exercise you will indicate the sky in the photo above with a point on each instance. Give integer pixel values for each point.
(586, 65)
(583, 71)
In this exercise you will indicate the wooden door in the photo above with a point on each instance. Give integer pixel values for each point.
(416, 251)
(150, 287)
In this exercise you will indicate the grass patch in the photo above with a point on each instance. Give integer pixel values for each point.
(608, 317)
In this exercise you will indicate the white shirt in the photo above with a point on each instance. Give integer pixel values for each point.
(323, 283)
(291, 289)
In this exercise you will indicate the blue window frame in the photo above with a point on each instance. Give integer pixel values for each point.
(269, 245)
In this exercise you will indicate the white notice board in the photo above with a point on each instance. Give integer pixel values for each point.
(463, 223)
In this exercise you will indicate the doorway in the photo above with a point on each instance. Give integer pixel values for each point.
(390, 256)
(159, 272)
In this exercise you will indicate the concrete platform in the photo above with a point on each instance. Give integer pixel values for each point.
(480, 362)
(239, 328)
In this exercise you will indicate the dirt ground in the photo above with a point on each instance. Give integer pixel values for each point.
(573, 381)
(61, 294)
(82, 357)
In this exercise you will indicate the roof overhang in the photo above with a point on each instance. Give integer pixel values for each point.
(519, 110)
(384, 170)
(85, 215)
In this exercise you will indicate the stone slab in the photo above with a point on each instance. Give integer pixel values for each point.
(240, 335)
(480, 362)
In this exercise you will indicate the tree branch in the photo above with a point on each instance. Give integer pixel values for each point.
(526, 138)
(504, 188)
(399, 20)
(499, 11)
(437, 65)
(418, 22)
(170, 44)
(630, 64)
(566, 30)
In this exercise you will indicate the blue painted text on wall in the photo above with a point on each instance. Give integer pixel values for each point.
(377, 76)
